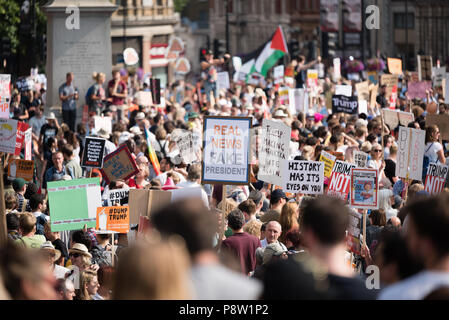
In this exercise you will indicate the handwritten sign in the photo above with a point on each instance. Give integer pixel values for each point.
(340, 180)
(226, 150)
(188, 144)
(329, 161)
(438, 75)
(435, 178)
(21, 169)
(410, 153)
(223, 80)
(390, 80)
(119, 165)
(116, 197)
(305, 177)
(364, 188)
(113, 219)
(362, 89)
(273, 150)
(93, 152)
(395, 117)
(360, 159)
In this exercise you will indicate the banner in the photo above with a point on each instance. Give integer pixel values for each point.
(223, 80)
(394, 65)
(113, 219)
(226, 150)
(21, 169)
(278, 74)
(417, 90)
(5, 95)
(305, 177)
(74, 203)
(119, 165)
(441, 121)
(364, 189)
(435, 178)
(360, 159)
(93, 153)
(297, 101)
(424, 68)
(329, 15)
(274, 148)
(343, 89)
(410, 153)
(340, 180)
(344, 104)
(329, 161)
(116, 197)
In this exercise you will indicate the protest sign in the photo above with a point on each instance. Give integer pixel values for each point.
(441, 121)
(278, 74)
(344, 90)
(226, 150)
(297, 99)
(273, 150)
(5, 95)
(362, 89)
(364, 188)
(187, 193)
(363, 106)
(93, 153)
(405, 118)
(360, 159)
(424, 68)
(116, 197)
(394, 65)
(435, 178)
(74, 203)
(373, 77)
(143, 202)
(223, 80)
(188, 144)
(104, 123)
(22, 127)
(390, 80)
(284, 95)
(340, 180)
(410, 153)
(393, 118)
(337, 69)
(8, 138)
(312, 78)
(353, 237)
(344, 104)
(305, 177)
(438, 75)
(119, 165)
(329, 161)
(417, 90)
(21, 169)
(28, 141)
(144, 98)
(113, 219)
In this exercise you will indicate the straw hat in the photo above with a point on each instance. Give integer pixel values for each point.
(81, 249)
(47, 245)
(102, 133)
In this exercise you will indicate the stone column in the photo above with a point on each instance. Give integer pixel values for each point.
(146, 45)
(81, 51)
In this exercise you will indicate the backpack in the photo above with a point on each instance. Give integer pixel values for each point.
(425, 163)
(88, 94)
(161, 154)
(40, 223)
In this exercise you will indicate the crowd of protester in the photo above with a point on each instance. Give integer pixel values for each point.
(257, 242)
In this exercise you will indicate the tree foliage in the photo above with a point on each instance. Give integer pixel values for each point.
(180, 5)
(9, 21)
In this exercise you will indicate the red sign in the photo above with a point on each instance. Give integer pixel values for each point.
(435, 178)
(340, 180)
(20, 136)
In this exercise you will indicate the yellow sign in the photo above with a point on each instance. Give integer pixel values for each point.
(394, 65)
(18, 168)
(329, 161)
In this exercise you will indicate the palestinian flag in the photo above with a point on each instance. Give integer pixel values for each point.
(266, 56)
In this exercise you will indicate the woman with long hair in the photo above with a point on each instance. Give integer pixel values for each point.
(289, 219)
(97, 97)
(434, 150)
(386, 200)
(88, 285)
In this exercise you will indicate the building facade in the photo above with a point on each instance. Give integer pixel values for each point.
(146, 26)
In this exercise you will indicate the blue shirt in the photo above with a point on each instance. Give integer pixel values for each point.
(66, 90)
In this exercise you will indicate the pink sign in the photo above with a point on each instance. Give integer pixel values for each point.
(417, 90)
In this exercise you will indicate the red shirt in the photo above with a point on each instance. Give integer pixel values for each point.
(121, 87)
(243, 246)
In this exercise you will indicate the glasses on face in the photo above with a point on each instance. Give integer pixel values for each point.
(75, 255)
(377, 150)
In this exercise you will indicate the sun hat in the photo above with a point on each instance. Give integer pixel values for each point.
(51, 116)
(140, 116)
(80, 248)
(280, 113)
(47, 245)
(102, 133)
(136, 131)
(124, 136)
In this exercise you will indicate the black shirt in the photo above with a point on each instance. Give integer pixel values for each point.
(380, 99)
(390, 170)
(351, 288)
(48, 131)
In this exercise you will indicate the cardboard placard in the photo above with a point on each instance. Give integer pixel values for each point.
(394, 65)
(113, 219)
(340, 180)
(93, 153)
(435, 178)
(226, 150)
(373, 95)
(343, 90)
(424, 68)
(74, 203)
(364, 189)
(393, 118)
(441, 121)
(417, 90)
(104, 123)
(116, 197)
(362, 89)
(410, 153)
(144, 98)
(390, 80)
(273, 150)
(345, 104)
(119, 165)
(305, 177)
(360, 159)
(143, 202)
(21, 169)
(278, 74)
(329, 161)
(223, 80)
(353, 238)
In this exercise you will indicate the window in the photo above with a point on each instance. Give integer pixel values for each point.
(278, 8)
(400, 21)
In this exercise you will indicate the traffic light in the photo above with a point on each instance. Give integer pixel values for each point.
(203, 54)
(219, 48)
(330, 44)
(293, 47)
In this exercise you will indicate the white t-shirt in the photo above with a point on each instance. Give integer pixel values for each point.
(431, 150)
(416, 287)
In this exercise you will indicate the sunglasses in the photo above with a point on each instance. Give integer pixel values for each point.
(377, 150)
(75, 255)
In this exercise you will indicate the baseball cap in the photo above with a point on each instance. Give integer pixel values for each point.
(278, 194)
(18, 183)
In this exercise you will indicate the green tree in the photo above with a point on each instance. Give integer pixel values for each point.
(180, 4)
(9, 22)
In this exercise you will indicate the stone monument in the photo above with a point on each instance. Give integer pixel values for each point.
(78, 41)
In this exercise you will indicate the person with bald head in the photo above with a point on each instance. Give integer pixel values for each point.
(273, 231)
(395, 222)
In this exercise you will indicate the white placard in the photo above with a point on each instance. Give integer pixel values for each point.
(410, 153)
(223, 80)
(305, 177)
(297, 101)
(360, 159)
(363, 107)
(278, 74)
(344, 90)
(103, 123)
(337, 69)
